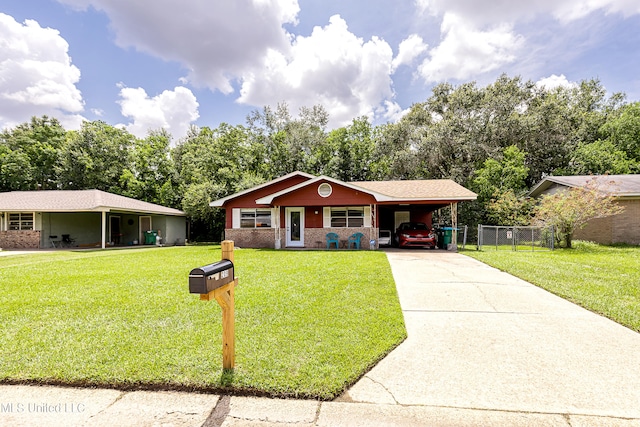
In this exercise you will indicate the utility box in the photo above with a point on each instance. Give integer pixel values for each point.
(205, 279)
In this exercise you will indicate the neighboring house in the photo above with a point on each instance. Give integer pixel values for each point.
(621, 228)
(298, 210)
(87, 218)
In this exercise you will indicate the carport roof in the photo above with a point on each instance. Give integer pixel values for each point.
(77, 201)
(426, 189)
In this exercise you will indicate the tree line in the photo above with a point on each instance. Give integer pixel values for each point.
(497, 140)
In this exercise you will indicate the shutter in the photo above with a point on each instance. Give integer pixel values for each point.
(326, 217)
(275, 219)
(235, 218)
(367, 216)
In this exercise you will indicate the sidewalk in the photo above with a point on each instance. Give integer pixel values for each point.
(484, 348)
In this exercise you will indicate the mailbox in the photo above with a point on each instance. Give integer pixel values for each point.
(205, 279)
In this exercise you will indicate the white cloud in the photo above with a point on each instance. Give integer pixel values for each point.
(553, 82)
(465, 51)
(173, 111)
(409, 49)
(244, 42)
(331, 67)
(217, 40)
(36, 75)
(491, 12)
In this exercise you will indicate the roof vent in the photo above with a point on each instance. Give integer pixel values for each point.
(325, 190)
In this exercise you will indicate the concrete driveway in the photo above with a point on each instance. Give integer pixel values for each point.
(482, 339)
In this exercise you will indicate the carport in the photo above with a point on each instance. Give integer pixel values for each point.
(416, 201)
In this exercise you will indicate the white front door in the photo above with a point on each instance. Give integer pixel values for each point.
(294, 222)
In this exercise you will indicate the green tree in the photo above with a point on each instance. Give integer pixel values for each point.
(570, 210)
(39, 141)
(600, 157)
(623, 131)
(152, 176)
(95, 157)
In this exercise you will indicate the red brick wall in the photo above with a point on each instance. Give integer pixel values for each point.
(27, 239)
(251, 237)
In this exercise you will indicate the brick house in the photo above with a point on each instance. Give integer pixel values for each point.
(298, 210)
(621, 228)
(89, 218)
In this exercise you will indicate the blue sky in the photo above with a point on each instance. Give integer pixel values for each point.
(172, 63)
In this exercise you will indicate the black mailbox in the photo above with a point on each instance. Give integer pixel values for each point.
(205, 279)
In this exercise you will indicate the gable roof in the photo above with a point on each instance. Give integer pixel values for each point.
(623, 185)
(220, 202)
(77, 201)
(381, 191)
(268, 199)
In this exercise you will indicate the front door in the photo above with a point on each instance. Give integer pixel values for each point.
(295, 227)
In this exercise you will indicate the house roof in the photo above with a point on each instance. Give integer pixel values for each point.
(267, 200)
(431, 189)
(620, 185)
(221, 202)
(382, 191)
(77, 201)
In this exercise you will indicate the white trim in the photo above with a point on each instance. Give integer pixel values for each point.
(235, 218)
(326, 217)
(294, 243)
(220, 202)
(367, 216)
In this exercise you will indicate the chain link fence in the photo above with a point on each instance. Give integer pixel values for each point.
(520, 238)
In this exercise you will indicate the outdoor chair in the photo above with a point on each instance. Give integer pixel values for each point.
(52, 239)
(332, 238)
(67, 241)
(355, 240)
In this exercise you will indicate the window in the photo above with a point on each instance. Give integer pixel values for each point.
(255, 218)
(325, 190)
(21, 221)
(347, 217)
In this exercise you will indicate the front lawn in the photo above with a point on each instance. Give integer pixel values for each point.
(308, 323)
(603, 279)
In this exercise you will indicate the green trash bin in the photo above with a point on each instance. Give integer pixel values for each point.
(150, 237)
(446, 238)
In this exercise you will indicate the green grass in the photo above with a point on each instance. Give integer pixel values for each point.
(603, 279)
(308, 323)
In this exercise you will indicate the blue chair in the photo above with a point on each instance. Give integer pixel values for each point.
(355, 239)
(332, 238)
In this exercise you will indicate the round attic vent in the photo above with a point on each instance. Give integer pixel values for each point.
(324, 190)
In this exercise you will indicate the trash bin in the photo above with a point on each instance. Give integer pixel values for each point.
(447, 234)
(150, 237)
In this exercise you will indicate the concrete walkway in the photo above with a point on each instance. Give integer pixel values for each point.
(484, 348)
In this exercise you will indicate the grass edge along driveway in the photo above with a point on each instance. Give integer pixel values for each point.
(308, 323)
(602, 279)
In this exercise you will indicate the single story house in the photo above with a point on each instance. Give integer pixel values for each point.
(84, 218)
(621, 228)
(298, 210)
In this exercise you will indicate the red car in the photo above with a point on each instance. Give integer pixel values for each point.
(415, 234)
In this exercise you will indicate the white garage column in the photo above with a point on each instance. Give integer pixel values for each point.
(104, 229)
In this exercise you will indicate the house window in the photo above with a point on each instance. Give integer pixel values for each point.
(325, 190)
(255, 218)
(21, 221)
(347, 217)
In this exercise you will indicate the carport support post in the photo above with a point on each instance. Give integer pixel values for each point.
(225, 296)
(454, 226)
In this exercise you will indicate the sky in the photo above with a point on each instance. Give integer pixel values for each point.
(150, 64)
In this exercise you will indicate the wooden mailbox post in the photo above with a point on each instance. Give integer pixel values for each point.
(225, 297)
